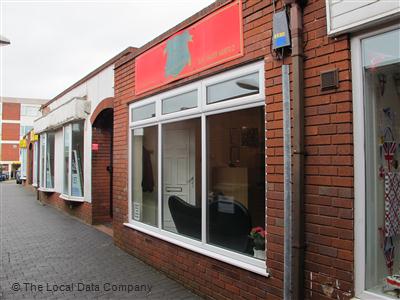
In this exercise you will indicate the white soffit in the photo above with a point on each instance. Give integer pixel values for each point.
(345, 16)
(74, 109)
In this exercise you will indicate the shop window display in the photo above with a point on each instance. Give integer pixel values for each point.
(381, 60)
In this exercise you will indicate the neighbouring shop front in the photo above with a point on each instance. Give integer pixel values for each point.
(74, 157)
(376, 63)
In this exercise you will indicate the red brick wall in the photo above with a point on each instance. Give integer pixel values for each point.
(328, 170)
(11, 111)
(100, 176)
(329, 161)
(29, 161)
(81, 210)
(10, 132)
(9, 153)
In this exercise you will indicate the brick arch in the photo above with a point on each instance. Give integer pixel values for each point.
(105, 103)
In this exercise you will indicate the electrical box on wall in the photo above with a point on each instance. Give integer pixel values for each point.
(281, 37)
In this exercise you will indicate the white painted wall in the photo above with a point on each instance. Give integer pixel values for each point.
(350, 15)
(95, 89)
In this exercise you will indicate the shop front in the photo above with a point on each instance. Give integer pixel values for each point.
(376, 65)
(198, 185)
(197, 157)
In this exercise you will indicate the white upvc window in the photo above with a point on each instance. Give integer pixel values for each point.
(73, 158)
(376, 108)
(197, 166)
(23, 163)
(47, 141)
(35, 163)
(29, 110)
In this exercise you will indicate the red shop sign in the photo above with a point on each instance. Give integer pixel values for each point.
(213, 40)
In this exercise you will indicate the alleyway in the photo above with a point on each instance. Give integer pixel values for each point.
(48, 255)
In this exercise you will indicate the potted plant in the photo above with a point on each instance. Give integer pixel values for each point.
(257, 234)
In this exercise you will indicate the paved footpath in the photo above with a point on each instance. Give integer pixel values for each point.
(48, 255)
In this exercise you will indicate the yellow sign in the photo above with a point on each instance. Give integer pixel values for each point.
(22, 143)
(34, 137)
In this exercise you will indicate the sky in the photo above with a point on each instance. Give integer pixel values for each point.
(56, 43)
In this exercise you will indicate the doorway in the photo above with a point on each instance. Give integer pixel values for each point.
(102, 169)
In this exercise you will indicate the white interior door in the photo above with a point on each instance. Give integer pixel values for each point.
(178, 169)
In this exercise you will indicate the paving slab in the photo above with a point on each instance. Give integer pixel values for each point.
(46, 254)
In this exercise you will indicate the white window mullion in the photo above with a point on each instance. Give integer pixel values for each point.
(45, 162)
(70, 161)
(203, 180)
(130, 170)
(160, 183)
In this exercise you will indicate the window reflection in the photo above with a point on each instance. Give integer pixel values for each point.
(145, 179)
(235, 178)
(182, 177)
(179, 102)
(144, 112)
(239, 87)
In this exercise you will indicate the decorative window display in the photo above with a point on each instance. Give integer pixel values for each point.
(198, 166)
(73, 160)
(381, 59)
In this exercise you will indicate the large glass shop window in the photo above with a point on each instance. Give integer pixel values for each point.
(42, 158)
(73, 180)
(181, 154)
(50, 160)
(23, 162)
(145, 175)
(211, 190)
(67, 147)
(35, 162)
(77, 160)
(47, 160)
(235, 178)
(381, 61)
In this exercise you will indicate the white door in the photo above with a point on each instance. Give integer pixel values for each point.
(178, 169)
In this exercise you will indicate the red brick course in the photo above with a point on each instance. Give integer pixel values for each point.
(100, 176)
(328, 207)
(81, 210)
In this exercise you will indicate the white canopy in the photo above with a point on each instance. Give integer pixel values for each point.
(74, 109)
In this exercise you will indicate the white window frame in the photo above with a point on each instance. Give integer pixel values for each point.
(201, 111)
(26, 107)
(359, 164)
(68, 196)
(23, 163)
(42, 185)
(35, 164)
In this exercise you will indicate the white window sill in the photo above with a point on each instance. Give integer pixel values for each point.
(72, 198)
(257, 266)
(46, 190)
(366, 295)
(34, 184)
